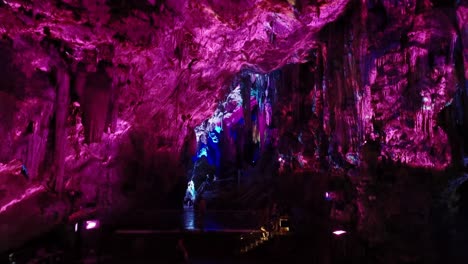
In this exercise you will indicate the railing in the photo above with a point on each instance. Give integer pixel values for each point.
(211, 220)
(248, 226)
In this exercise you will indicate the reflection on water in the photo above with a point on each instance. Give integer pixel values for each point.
(189, 219)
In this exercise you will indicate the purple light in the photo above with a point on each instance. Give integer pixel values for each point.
(76, 227)
(92, 224)
(339, 232)
(28, 193)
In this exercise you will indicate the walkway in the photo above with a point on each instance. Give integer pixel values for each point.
(188, 220)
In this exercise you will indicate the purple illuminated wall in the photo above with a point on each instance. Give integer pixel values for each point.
(347, 91)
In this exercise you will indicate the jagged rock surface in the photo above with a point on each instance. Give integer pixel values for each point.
(119, 132)
(373, 91)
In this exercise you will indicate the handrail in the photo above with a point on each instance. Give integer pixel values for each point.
(208, 210)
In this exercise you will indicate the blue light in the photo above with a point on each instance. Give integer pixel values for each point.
(218, 129)
(213, 137)
(190, 193)
(24, 171)
(203, 152)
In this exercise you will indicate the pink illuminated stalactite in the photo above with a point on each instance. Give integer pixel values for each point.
(418, 61)
(63, 98)
(462, 19)
(322, 107)
(95, 103)
(325, 113)
(36, 147)
(359, 79)
(363, 91)
(366, 112)
(113, 99)
(268, 114)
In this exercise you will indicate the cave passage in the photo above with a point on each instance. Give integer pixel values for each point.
(247, 131)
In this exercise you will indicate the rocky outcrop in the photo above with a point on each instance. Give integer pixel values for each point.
(110, 98)
(378, 110)
(115, 130)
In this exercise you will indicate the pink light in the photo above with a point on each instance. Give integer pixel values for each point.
(28, 193)
(91, 224)
(327, 195)
(339, 232)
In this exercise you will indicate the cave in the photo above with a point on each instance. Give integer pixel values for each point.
(246, 131)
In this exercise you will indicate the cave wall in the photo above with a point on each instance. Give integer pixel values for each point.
(375, 78)
(381, 104)
(118, 134)
(361, 87)
(391, 79)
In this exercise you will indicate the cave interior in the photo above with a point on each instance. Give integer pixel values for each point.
(349, 115)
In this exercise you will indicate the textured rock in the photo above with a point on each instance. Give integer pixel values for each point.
(344, 88)
(174, 59)
(120, 131)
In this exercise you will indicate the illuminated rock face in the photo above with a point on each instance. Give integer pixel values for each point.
(376, 79)
(127, 129)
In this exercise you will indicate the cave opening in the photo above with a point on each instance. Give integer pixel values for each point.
(231, 141)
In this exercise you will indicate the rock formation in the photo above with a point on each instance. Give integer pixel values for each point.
(113, 99)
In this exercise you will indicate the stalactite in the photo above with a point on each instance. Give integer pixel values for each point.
(246, 139)
(117, 82)
(97, 93)
(246, 86)
(63, 98)
(36, 147)
(325, 115)
(462, 58)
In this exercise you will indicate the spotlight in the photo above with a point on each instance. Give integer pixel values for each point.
(339, 232)
(284, 224)
(91, 224)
